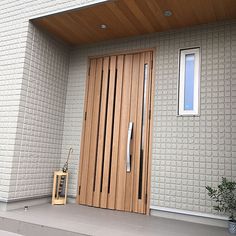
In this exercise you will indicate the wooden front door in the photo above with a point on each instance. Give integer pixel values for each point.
(115, 142)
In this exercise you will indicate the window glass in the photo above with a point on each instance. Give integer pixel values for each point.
(189, 82)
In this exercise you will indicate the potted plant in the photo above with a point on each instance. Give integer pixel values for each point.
(225, 197)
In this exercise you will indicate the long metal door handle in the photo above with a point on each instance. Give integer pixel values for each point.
(128, 161)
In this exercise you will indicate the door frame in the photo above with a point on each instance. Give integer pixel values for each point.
(151, 108)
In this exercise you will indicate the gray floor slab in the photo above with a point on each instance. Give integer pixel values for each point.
(82, 220)
(5, 233)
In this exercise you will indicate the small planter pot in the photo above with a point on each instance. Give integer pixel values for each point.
(232, 227)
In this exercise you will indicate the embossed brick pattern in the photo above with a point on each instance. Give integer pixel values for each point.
(41, 117)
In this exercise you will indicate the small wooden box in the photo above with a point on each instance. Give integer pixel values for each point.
(60, 187)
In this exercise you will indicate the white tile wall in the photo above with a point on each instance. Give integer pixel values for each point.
(74, 115)
(188, 152)
(41, 116)
(14, 28)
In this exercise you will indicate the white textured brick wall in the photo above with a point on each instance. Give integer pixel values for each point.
(74, 115)
(188, 152)
(41, 116)
(14, 28)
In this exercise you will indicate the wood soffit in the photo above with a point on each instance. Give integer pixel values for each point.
(126, 18)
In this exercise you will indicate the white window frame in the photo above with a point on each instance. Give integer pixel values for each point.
(181, 86)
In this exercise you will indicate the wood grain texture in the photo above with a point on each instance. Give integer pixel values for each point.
(109, 133)
(101, 135)
(116, 132)
(117, 94)
(87, 134)
(94, 133)
(132, 118)
(138, 127)
(124, 122)
(148, 58)
(83, 135)
(126, 18)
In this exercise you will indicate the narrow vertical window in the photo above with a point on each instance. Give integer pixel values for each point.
(189, 80)
(145, 79)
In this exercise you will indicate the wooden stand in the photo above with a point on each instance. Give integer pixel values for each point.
(57, 197)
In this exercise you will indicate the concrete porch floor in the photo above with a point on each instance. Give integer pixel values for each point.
(72, 220)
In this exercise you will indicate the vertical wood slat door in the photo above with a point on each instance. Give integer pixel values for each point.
(118, 94)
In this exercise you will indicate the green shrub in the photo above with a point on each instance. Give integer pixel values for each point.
(225, 197)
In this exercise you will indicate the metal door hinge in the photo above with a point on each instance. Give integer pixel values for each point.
(85, 115)
(150, 113)
(151, 64)
(146, 198)
(79, 190)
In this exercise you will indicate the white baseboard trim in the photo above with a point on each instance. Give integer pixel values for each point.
(189, 216)
(17, 204)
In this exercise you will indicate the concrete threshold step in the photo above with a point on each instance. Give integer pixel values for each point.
(13, 227)
(76, 220)
(7, 233)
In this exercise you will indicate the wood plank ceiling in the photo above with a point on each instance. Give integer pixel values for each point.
(125, 18)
